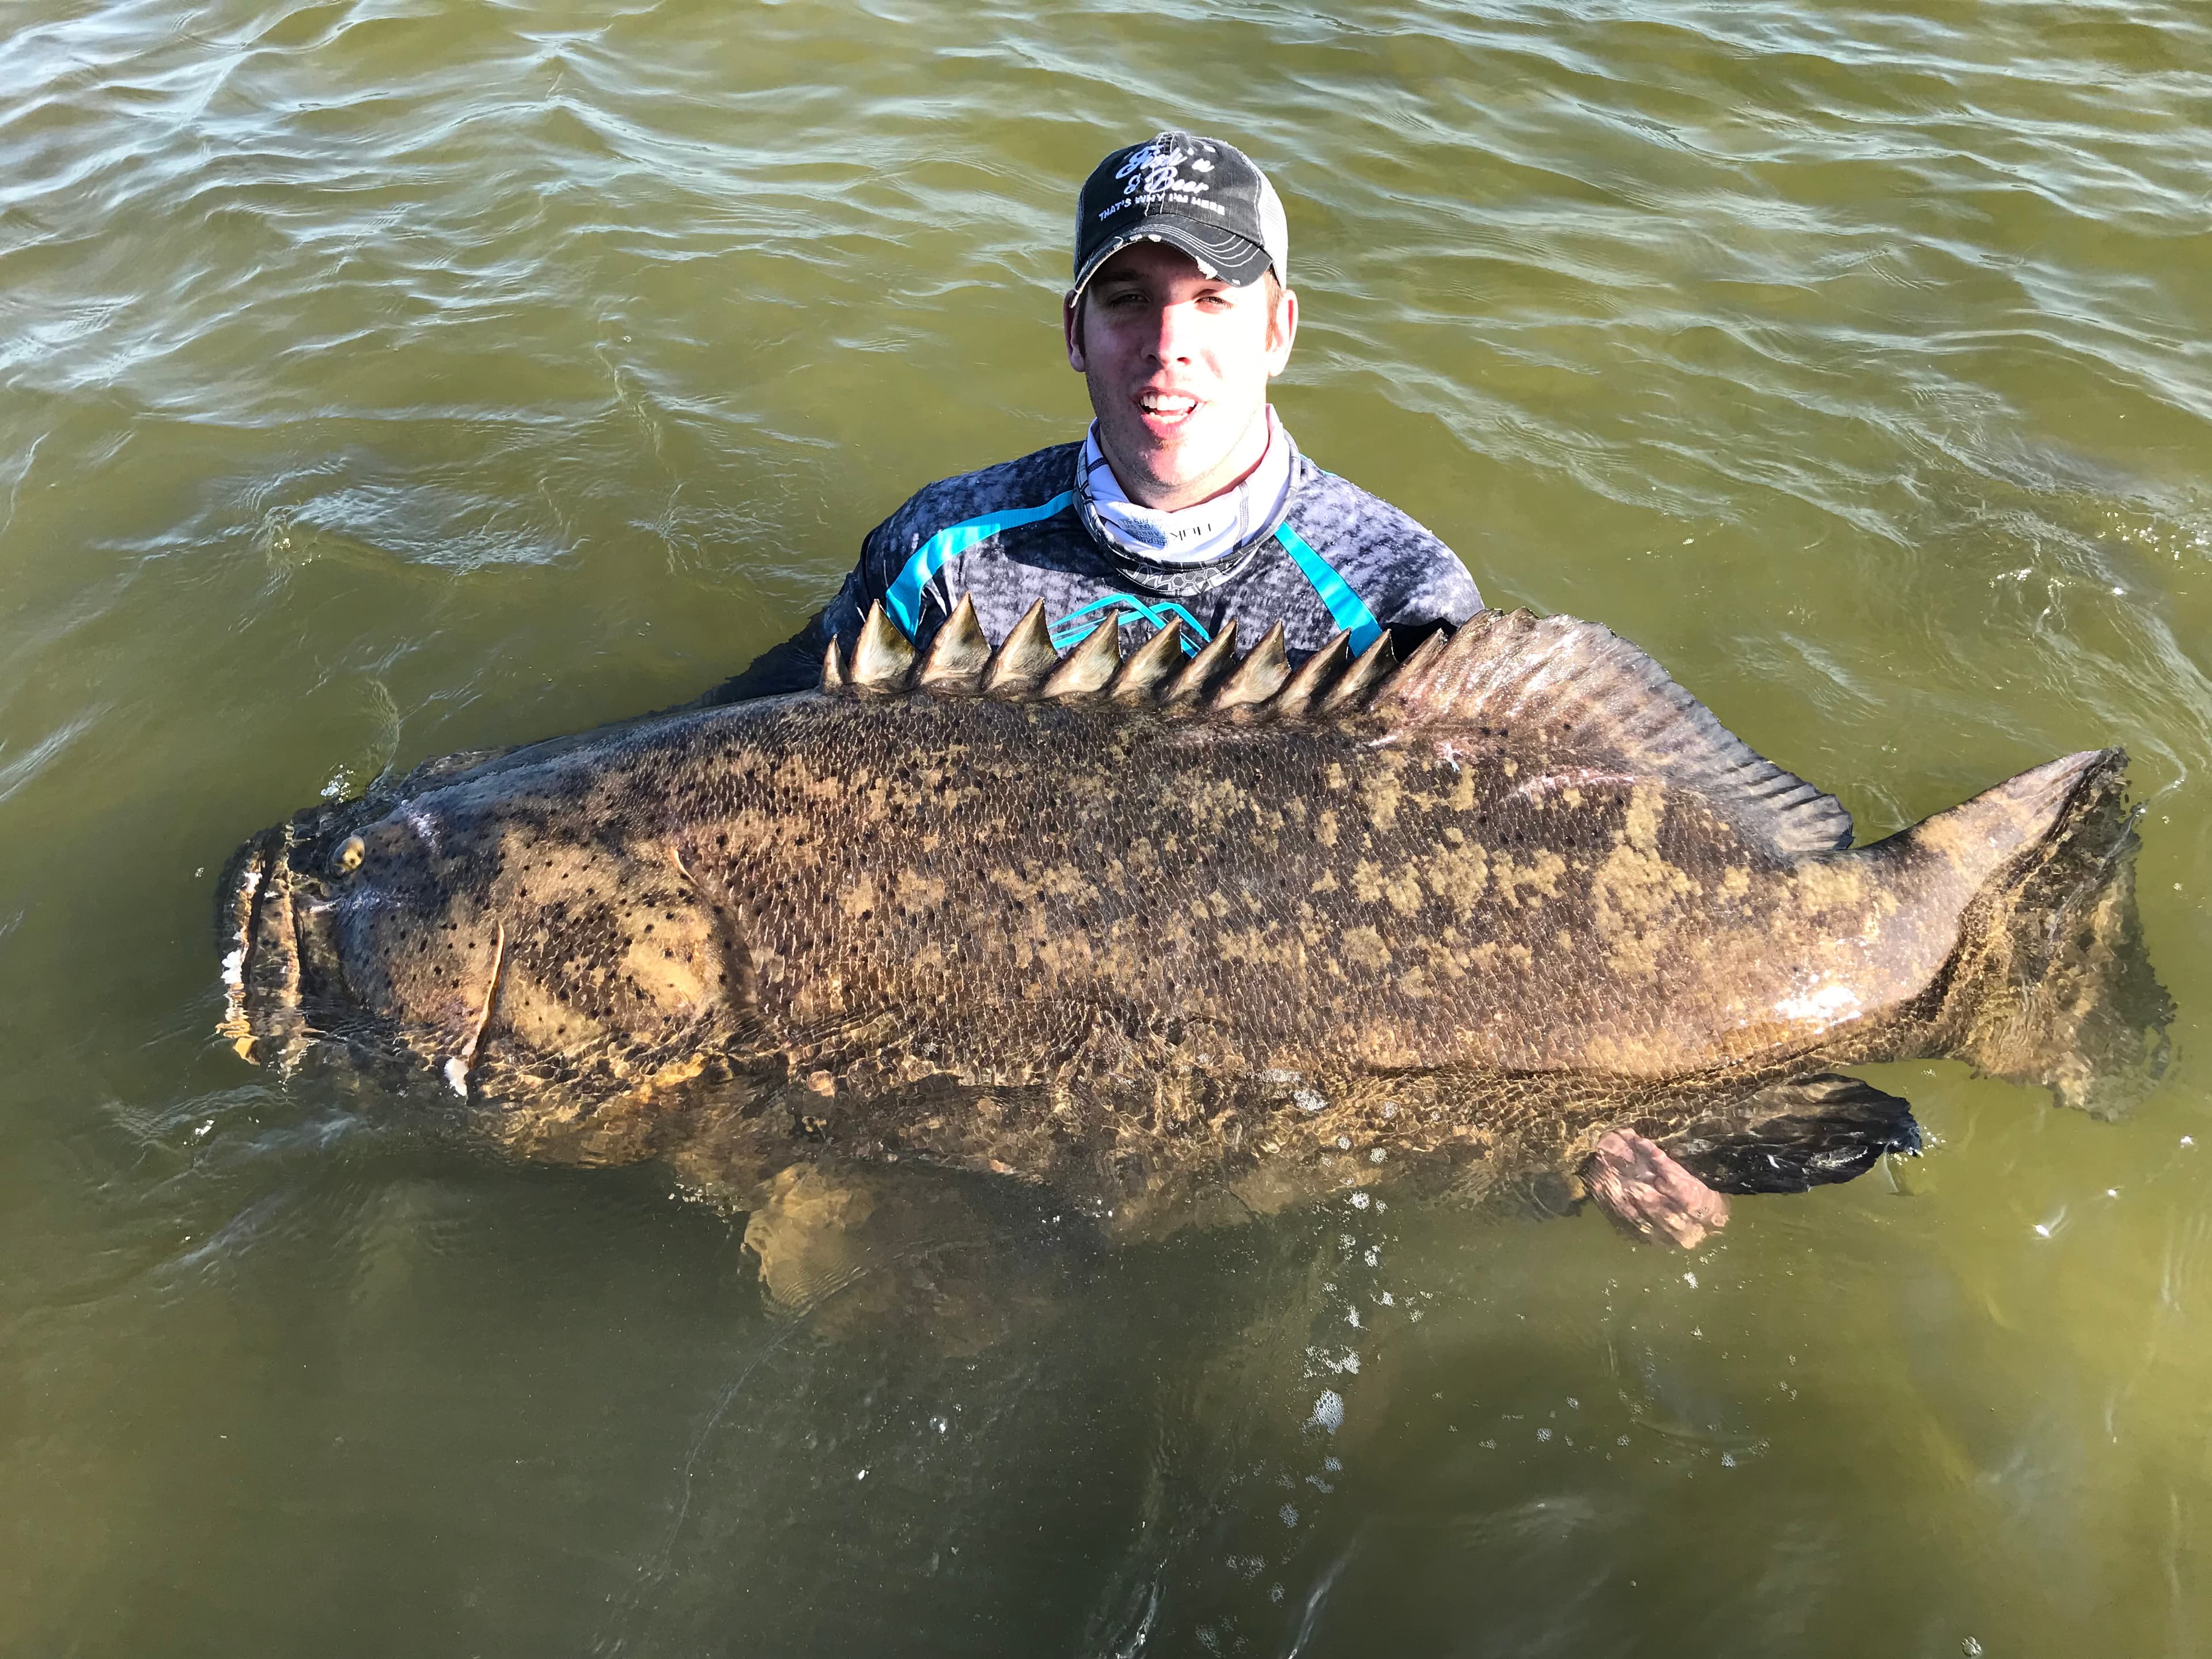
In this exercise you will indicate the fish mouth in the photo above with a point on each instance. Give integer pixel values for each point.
(273, 932)
(255, 931)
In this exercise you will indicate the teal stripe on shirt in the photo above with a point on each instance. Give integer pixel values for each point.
(1347, 607)
(904, 597)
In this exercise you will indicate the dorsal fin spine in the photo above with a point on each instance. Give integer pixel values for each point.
(1356, 684)
(1258, 677)
(1413, 676)
(1023, 659)
(883, 658)
(1313, 676)
(958, 654)
(1144, 670)
(1190, 684)
(1089, 666)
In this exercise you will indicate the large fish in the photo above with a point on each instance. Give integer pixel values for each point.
(1193, 935)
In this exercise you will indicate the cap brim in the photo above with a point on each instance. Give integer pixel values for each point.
(1235, 259)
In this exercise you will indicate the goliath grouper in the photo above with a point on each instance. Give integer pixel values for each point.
(1193, 936)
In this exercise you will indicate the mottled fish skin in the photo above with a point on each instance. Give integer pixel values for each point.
(1170, 954)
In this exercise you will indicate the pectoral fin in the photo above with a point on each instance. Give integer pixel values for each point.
(1794, 1136)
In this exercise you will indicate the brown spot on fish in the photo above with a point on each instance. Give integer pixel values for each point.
(1404, 893)
(1458, 872)
(1829, 886)
(1363, 948)
(1538, 872)
(1382, 799)
(1571, 782)
(858, 901)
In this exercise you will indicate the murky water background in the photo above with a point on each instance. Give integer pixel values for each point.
(383, 378)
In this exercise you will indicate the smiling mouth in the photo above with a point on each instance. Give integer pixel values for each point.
(1166, 408)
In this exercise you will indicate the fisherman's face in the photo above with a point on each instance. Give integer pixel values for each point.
(1178, 364)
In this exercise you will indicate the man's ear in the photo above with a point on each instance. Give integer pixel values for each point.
(1070, 326)
(1282, 330)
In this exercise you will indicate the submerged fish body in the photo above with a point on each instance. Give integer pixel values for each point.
(1178, 933)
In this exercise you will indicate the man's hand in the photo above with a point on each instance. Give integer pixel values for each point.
(1649, 1193)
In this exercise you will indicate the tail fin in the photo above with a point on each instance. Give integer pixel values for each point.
(2051, 984)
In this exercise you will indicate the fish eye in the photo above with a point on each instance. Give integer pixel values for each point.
(349, 855)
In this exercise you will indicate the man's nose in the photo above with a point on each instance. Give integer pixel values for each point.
(1171, 334)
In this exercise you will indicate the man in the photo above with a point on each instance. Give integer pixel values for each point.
(1188, 499)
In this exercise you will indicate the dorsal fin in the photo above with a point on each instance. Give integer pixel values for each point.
(1088, 667)
(1418, 669)
(958, 654)
(1200, 671)
(1351, 693)
(1259, 677)
(1146, 669)
(1023, 657)
(833, 671)
(883, 658)
(1315, 673)
(1607, 702)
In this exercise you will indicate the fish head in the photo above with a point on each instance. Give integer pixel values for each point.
(464, 924)
(340, 923)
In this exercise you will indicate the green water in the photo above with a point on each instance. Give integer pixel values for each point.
(384, 378)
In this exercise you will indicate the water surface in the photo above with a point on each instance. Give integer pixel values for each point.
(384, 378)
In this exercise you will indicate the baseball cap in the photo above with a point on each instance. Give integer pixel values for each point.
(1197, 194)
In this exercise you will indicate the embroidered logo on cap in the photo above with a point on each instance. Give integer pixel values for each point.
(1154, 174)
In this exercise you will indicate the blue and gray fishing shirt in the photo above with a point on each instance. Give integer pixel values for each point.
(1335, 558)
